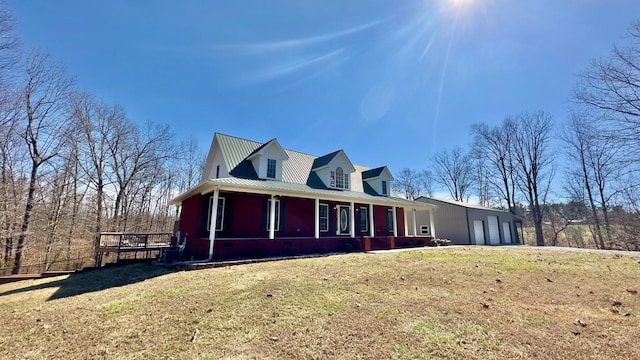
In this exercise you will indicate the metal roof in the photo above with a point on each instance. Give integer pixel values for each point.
(459, 203)
(298, 179)
(297, 190)
(372, 173)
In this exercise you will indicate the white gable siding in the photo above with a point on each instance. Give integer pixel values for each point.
(215, 159)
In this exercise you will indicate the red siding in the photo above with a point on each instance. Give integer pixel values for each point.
(380, 220)
(190, 216)
(400, 217)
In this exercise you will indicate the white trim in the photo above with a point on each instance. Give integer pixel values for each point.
(415, 225)
(406, 223)
(213, 215)
(316, 225)
(372, 230)
(352, 220)
(272, 216)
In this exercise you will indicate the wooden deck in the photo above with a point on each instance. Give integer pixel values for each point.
(147, 245)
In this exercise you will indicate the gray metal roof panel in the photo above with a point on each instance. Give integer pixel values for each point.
(372, 173)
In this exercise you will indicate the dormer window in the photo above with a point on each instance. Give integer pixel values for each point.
(384, 187)
(271, 168)
(339, 178)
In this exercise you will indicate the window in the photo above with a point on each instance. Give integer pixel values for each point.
(333, 179)
(346, 181)
(363, 219)
(217, 171)
(384, 187)
(324, 217)
(271, 168)
(277, 217)
(389, 220)
(219, 215)
(339, 178)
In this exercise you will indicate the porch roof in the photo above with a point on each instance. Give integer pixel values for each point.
(270, 187)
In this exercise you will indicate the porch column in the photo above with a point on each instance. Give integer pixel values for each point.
(352, 214)
(395, 223)
(433, 229)
(272, 218)
(214, 217)
(317, 219)
(406, 224)
(415, 225)
(213, 222)
(372, 228)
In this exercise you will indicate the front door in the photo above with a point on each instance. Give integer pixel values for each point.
(344, 227)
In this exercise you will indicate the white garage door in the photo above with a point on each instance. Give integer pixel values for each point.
(506, 229)
(494, 230)
(478, 229)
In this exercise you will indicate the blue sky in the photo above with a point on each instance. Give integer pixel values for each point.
(390, 82)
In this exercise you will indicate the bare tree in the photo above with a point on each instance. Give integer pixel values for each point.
(534, 170)
(610, 90)
(454, 171)
(494, 145)
(45, 95)
(406, 183)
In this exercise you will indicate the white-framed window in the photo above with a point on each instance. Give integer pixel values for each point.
(363, 219)
(339, 178)
(332, 181)
(324, 217)
(384, 187)
(277, 217)
(346, 181)
(271, 168)
(219, 215)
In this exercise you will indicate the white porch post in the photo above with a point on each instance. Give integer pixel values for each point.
(406, 225)
(433, 229)
(372, 228)
(317, 220)
(272, 218)
(415, 225)
(352, 214)
(213, 221)
(395, 223)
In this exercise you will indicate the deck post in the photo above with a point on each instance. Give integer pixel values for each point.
(213, 222)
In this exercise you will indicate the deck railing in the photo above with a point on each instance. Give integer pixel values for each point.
(134, 240)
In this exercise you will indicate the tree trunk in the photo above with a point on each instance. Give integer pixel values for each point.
(27, 217)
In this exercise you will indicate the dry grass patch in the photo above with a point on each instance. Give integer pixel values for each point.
(469, 302)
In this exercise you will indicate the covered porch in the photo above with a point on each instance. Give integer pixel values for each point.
(262, 222)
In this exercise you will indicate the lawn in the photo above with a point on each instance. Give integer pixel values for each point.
(456, 302)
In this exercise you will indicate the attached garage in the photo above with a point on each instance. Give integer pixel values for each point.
(470, 224)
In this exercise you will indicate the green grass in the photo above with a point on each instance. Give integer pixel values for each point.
(455, 302)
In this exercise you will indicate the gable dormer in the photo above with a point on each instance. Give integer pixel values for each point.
(267, 160)
(377, 181)
(334, 170)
